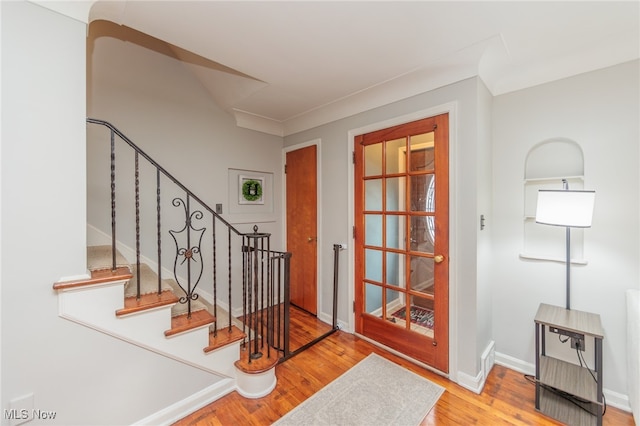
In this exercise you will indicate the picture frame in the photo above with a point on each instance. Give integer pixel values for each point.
(251, 190)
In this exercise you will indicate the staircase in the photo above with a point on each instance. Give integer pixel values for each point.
(130, 297)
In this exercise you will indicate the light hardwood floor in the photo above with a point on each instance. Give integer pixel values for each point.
(507, 397)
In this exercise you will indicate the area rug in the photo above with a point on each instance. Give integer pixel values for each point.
(420, 316)
(373, 392)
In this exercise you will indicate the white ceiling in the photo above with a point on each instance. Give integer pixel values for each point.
(289, 66)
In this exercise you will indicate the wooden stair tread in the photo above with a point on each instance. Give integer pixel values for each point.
(224, 337)
(259, 365)
(147, 301)
(97, 277)
(181, 323)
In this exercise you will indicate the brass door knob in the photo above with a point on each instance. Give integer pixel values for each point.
(310, 239)
(438, 258)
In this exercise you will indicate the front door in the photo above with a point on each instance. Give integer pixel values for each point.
(402, 238)
(301, 198)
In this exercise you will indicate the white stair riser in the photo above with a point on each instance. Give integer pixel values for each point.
(96, 307)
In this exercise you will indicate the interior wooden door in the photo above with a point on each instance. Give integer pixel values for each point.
(402, 238)
(301, 199)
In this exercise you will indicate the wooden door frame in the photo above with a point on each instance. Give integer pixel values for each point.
(451, 109)
(318, 143)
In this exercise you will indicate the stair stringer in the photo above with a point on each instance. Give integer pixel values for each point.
(95, 306)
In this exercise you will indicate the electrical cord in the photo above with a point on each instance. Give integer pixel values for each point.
(583, 363)
(579, 402)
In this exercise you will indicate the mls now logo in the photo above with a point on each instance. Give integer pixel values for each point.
(24, 414)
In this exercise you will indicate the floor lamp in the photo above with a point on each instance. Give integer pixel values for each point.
(568, 208)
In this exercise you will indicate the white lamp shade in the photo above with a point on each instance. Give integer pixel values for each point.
(565, 208)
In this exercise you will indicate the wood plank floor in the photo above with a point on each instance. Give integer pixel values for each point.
(507, 398)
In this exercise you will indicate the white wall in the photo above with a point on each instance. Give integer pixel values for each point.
(598, 110)
(83, 375)
(467, 139)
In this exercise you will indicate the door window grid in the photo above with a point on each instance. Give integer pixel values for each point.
(392, 178)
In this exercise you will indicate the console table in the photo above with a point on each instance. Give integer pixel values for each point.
(582, 402)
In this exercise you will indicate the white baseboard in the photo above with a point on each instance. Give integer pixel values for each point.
(181, 409)
(476, 383)
(617, 400)
(328, 319)
(472, 383)
(515, 364)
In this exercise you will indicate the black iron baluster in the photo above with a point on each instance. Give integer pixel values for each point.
(229, 289)
(255, 293)
(188, 256)
(270, 341)
(187, 252)
(269, 302)
(215, 282)
(113, 201)
(252, 326)
(244, 286)
(137, 197)
(287, 303)
(336, 259)
(159, 231)
(279, 298)
(261, 304)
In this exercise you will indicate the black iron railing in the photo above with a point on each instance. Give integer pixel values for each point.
(264, 273)
(266, 295)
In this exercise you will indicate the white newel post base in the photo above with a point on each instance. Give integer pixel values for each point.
(256, 385)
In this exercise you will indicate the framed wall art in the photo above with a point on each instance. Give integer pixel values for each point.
(250, 196)
(250, 190)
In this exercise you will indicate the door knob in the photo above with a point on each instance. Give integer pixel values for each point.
(310, 239)
(438, 258)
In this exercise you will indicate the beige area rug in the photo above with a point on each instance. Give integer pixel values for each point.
(373, 392)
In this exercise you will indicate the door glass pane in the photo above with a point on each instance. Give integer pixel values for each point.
(373, 299)
(373, 194)
(421, 274)
(422, 315)
(396, 194)
(373, 160)
(396, 307)
(422, 152)
(422, 234)
(396, 269)
(395, 156)
(422, 193)
(396, 231)
(373, 230)
(373, 265)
